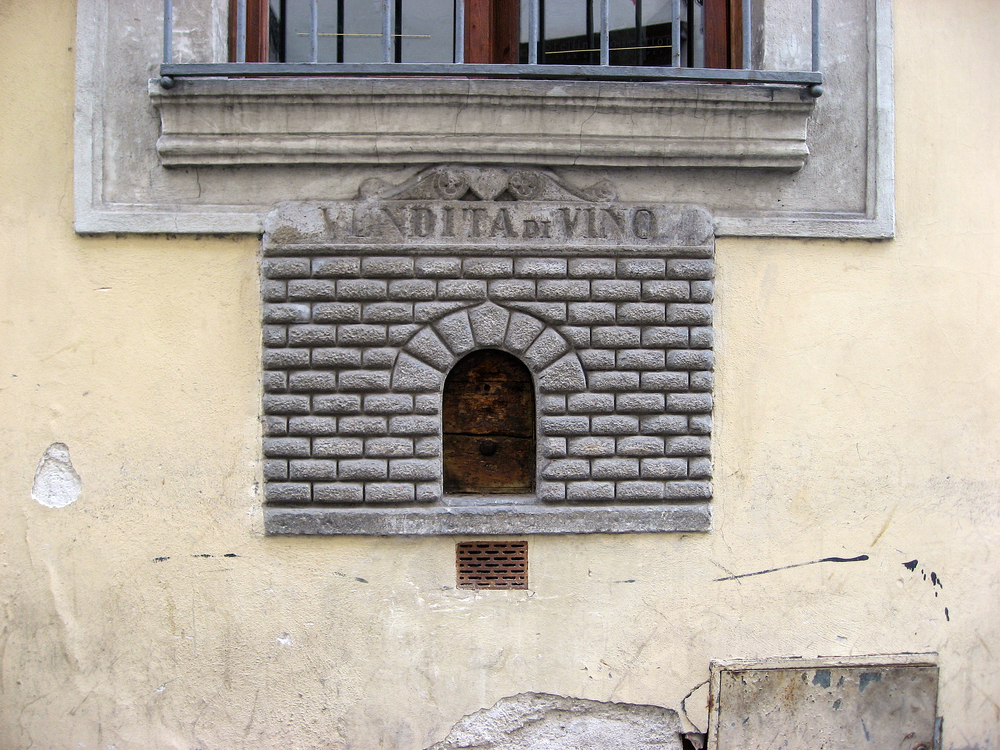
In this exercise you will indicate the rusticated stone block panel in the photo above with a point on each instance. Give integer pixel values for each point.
(359, 339)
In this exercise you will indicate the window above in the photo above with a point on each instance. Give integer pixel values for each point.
(386, 84)
(689, 40)
(561, 32)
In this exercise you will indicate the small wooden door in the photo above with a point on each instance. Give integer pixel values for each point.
(489, 425)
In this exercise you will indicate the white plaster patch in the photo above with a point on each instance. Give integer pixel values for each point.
(56, 482)
(284, 639)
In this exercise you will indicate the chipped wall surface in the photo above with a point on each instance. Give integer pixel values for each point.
(56, 483)
(857, 414)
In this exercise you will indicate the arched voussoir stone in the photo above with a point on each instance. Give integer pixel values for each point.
(563, 376)
(546, 349)
(410, 375)
(426, 345)
(456, 331)
(522, 330)
(489, 325)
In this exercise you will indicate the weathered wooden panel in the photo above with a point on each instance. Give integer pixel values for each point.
(489, 425)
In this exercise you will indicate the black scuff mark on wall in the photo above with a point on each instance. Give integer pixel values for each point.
(359, 579)
(160, 559)
(859, 558)
(935, 580)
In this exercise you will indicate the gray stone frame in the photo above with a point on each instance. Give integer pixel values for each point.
(369, 303)
(845, 188)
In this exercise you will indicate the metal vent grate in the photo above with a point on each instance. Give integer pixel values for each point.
(492, 565)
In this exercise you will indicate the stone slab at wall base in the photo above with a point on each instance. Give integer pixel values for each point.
(836, 703)
(538, 721)
(368, 304)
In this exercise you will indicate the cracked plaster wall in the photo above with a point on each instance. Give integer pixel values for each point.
(857, 413)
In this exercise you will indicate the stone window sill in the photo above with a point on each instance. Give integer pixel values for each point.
(313, 121)
(488, 519)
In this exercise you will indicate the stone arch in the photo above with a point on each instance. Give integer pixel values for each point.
(432, 351)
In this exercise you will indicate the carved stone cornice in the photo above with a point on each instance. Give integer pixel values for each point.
(249, 121)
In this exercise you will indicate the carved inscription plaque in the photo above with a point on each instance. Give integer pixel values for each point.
(492, 208)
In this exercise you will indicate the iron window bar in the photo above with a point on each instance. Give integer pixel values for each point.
(390, 38)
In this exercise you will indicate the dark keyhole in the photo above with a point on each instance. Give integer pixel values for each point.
(487, 447)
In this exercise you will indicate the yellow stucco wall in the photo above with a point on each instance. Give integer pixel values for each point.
(857, 413)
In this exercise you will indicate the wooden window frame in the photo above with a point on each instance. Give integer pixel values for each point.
(492, 31)
(258, 31)
(723, 33)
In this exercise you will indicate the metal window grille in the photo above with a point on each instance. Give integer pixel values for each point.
(538, 63)
(492, 565)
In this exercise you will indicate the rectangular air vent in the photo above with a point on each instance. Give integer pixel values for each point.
(492, 565)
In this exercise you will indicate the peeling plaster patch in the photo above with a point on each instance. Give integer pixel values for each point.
(700, 702)
(539, 721)
(866, 678)
(56, 482)
(822, 678)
